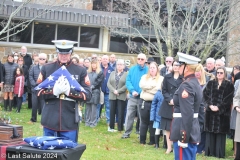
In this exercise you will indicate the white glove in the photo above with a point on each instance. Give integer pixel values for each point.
(183, 145)
(61, 86)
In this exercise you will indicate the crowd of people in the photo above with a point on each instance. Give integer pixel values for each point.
(194, 107)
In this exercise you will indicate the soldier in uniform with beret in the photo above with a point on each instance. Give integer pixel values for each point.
(185, 129)
(59, 112)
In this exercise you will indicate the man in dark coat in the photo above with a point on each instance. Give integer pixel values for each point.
(60, 112)
(168, 62)
(37, 101)
(28, 62)
(27, 58)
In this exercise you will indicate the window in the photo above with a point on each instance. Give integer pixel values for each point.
(117, 44)
(3, 37)
(89, 37)
(67, 32)
(24, 32)
(43, 33)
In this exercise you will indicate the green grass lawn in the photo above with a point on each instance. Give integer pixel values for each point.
(101, 144)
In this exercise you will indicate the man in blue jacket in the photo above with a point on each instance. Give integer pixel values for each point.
(106, 69)
(132, 83)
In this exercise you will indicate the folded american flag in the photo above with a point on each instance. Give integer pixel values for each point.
(50, 142)
(50, 81)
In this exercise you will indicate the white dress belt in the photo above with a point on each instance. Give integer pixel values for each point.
(177, 115)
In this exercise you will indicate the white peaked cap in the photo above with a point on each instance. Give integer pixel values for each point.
(187, 59)
(64, 46)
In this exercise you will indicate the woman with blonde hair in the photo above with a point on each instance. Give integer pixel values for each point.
(96, 77)
(150, 83)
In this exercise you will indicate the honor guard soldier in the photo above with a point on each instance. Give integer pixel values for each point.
(185, 129)
(59, 117)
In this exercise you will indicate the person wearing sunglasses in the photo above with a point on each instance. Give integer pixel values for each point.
(185, 129)
(37, 102)
(132, 84)
(168, 63)
(218, 94)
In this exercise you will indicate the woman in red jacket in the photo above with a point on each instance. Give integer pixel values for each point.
(19, 87)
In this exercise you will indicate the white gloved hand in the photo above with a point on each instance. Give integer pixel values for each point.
(183, 145)
(61, 86)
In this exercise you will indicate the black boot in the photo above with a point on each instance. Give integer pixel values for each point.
(5, 104)
(142, 139)
(152, 140)
(157, 141)
(19, 104)
(164, 142)
(10, 105)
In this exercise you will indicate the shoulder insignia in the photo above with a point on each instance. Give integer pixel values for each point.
(184, 94)
(40, 78)
(87, 81)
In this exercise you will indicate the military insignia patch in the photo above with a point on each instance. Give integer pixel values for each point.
(184, 94)
(87, 81)
(63, 43)
(40, 78)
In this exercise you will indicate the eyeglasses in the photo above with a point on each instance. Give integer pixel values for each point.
(42, 59)
(15, 55)
(219, 72)
(142, 59)
(168, 61)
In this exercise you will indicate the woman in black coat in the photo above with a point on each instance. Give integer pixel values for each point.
(96, 77)
(171, 83)
(9, 72)
(218, 95)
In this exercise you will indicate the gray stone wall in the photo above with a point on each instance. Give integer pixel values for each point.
(233, 51)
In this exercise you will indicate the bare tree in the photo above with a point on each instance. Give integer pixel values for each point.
(191, 26)
(9, 25)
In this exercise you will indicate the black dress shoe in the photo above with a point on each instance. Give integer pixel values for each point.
(151, 143)
(125, 136)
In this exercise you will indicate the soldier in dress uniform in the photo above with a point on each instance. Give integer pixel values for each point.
(59, 116)
(185, 129)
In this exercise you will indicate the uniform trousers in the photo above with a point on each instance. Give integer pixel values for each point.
(145, 123)
(132, 109)
(91, 115)
(117, 107)
(72, 135)
(188, 153)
